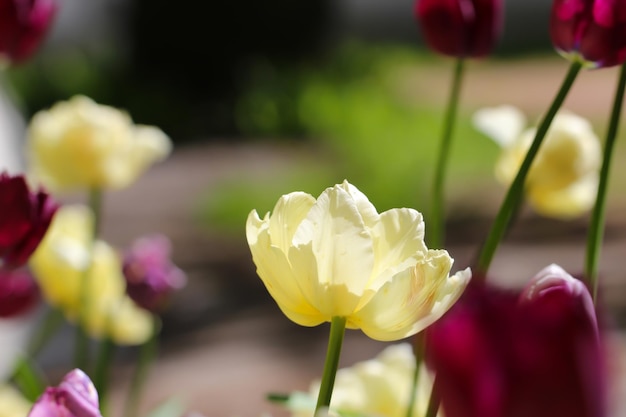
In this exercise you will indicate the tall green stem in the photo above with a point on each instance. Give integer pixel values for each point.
(437, 210)
(81, 354)
(419, 344)
(596, 228)
(335, 340)
(147, 354)
(101, 373)
(514, 195)
(435, 400)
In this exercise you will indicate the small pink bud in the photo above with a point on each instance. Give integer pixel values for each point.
(150, 275)
(75, 396)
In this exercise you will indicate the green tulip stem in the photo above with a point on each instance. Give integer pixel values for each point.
(418, 351)
(437, 211)
(81, 354)
(596, 227)
(101, 373)
(435, 400)
(335, 340)
(147, 355)
(514, 194)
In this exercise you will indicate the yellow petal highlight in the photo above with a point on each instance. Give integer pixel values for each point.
(335, 256)
(80, 144)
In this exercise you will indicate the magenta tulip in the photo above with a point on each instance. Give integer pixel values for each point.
(24, 219)
(150, 275)
(460, 28)
(504, 354)
(75, 396)
(23, 24)
(591, 30)
(18, 292)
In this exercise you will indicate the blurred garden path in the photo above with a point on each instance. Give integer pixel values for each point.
(225, 344)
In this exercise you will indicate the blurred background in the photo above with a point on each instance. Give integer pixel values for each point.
(265, 98)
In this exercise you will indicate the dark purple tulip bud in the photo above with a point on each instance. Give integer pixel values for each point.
(502, 354)
(150, 275)
(75, 396)
(23, 23)
(18, 292)
(24, 219)
(593, 31)
(460, 28)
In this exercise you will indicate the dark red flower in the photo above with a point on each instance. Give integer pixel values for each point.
(460, 28)
(23, 23)
(150, 275)
(592, 30)
(18, 292)
(502, 354)
(24, 219)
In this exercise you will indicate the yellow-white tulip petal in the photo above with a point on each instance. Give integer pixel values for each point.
(333, 256)
(398, 238)
(81, 144)
(128, 324)
(12, 403)
(563, 177)
(413, 299)
(275, 271)
(334, 235)
(376, 387)
(85, 281)
(567, 202)
(503, 124)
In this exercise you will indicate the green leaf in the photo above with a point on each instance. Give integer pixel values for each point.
(29, 378)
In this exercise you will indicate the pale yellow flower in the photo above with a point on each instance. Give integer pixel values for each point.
(337, 257)
(378, 387)
(563, 179)
(60, 263)
(12, 403)
(82, 144)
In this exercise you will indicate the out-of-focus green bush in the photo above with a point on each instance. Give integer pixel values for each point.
(357, 110)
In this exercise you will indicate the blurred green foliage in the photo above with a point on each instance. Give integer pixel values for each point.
(357, 110)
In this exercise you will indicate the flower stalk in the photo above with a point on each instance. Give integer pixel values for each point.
(514, 194)
(331, 364)
(81, 358)
(147, 354)
(419, 344)
(437, 223)
(596, 227)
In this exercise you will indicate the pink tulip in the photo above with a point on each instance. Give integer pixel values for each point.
(24, 219)
(460, 28)
(75, 396)
(591, 30)
(150, 275)
(504, 354)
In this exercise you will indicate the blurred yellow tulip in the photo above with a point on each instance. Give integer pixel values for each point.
(337, 257)
(563, 179)
(377, 387)
(81, 144)
(12, 403)
(63, 260)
